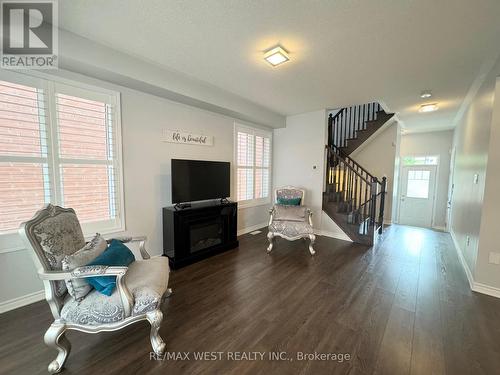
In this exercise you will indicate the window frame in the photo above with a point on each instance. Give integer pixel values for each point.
(419, 156)
(12, 241)
(254, 131)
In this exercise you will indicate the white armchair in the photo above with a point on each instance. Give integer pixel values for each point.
(290, 222)
(140, 288)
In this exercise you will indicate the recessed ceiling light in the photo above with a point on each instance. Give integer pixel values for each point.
(428, 107)
(276, 56)
(426, 94)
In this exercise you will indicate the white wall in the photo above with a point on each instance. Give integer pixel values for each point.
(430, 144)
(486, 272)
(471, 142)
(146, 167)
(378, 155)
(474, 213)
(298, 157)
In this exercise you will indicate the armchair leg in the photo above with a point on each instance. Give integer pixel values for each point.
(270, 237)
(155, 318)
(312, 237)
(54, 337)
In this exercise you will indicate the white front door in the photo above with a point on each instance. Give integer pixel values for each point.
(417, 195)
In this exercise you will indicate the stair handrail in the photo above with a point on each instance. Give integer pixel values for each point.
(374, 182)
(338, 113)
(339, 152)
(355, 120)
(354, 170)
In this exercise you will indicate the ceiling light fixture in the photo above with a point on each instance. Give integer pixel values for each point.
(276, 56)
(428, 107)
(426, 94)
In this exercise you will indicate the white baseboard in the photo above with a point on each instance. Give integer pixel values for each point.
(27, 299)
(251, 228)
(439, 228)
(338, 236)
(486, 289)
(465, 266)
(474, 285)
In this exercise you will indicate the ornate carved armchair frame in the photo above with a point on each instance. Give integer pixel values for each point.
(290, 192)
(55, 335)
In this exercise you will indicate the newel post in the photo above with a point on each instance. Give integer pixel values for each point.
(373, 201)
(382, 205)
(330, 129)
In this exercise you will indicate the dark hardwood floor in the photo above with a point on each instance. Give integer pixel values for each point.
(404, 307)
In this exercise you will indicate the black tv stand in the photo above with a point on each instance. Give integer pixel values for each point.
(199, 231)
(181, 206)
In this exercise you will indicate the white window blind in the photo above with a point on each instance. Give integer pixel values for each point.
(59, 143)
(24, 175)
(253, 165)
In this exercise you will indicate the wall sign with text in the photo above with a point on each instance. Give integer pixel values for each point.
(174, 136)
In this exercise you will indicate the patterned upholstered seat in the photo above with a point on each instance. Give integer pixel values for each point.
(291, 228)
(290, 222)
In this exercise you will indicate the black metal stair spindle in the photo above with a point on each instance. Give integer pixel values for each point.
(364, 116)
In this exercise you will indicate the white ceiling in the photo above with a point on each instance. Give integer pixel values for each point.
(342, 52)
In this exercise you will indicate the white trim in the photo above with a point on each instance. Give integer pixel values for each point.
(439, 228)
(407, 131)
(254, 202)
(465, 266)
(88, 236)
(17, 302)
(474, 285)
(486, 289)
(337, 236)
(12, 249)
(251, 228)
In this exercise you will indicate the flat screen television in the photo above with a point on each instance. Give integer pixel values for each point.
(197, 180)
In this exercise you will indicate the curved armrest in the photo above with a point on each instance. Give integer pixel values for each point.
(129, 239)
(82, 272)
(309, 216)
(96, 271)
(271, 214)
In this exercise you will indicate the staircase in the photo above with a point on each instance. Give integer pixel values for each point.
(353, 198)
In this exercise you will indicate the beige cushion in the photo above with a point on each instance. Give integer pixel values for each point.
(79, 288)
(289, 213)
(147, 280)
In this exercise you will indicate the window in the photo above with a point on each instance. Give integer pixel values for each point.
(420, 160)
(253, 165)
(418, 184)
(59, 144)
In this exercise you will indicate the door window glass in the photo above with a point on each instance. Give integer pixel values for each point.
(418, 184)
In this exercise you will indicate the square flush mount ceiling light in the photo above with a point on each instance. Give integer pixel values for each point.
(276, 56)
(428, 107)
